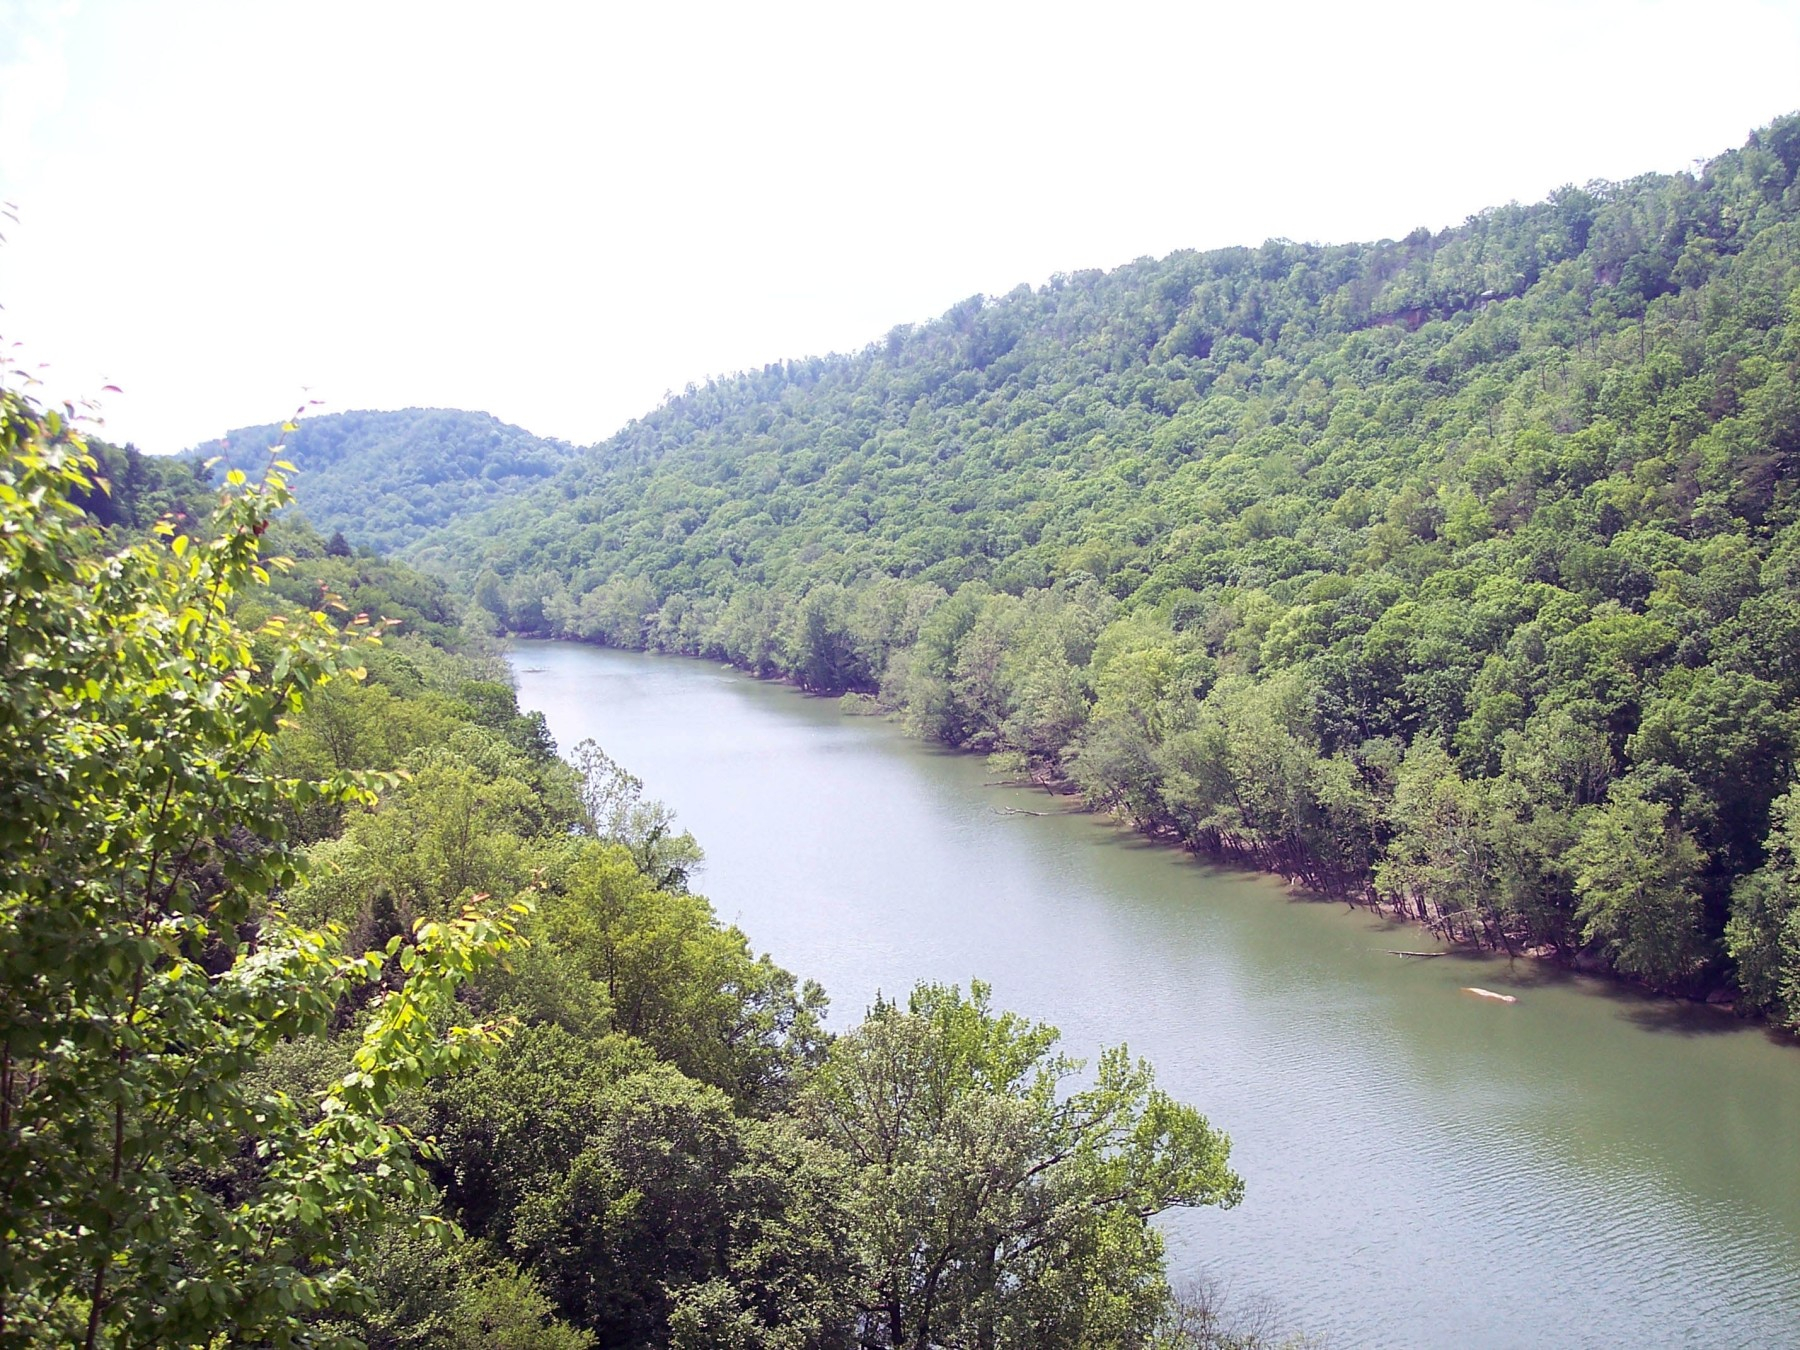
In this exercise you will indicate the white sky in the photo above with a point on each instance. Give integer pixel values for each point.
(556, 212)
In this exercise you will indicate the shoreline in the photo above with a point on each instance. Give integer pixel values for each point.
(1244, 859)
(1547, 954)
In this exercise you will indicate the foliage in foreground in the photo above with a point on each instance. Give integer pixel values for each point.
(217, 1129)
(994, 1205)
(151, 1193)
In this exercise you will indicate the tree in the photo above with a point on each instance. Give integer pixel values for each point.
(1634, 884)
(1763, 934)
(614, 809)
(150, 1193)
(822, 652)
(457, 1295)
(1439, 857)
(1202, 1316)
(991, 1207)
(1727, 734)
(678, 980)
(680, 1222)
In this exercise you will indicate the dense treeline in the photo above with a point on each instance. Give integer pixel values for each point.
(668, 1150)
(338, 1009)
(386, 478)
(131, 492)
(1458, 574)
(152, 1190)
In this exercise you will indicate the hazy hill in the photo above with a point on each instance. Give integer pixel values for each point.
(386, 478)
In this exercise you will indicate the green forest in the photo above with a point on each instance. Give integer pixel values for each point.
(391, 477)
(337, 1009)
(1457, 575)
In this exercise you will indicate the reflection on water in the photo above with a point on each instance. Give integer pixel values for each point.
(1586, 1166)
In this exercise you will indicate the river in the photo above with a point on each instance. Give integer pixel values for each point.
(1587, 1166)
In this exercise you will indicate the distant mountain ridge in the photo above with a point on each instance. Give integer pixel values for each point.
(385, 479)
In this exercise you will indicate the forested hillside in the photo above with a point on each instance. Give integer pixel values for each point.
(385, 478)
(338, 1010)
(1458, 573)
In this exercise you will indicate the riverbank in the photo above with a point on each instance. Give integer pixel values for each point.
(1458, 928)
(1422, 913)
(1414, 1133)
(1427, 916)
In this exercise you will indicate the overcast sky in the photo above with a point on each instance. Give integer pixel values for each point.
(557, 212)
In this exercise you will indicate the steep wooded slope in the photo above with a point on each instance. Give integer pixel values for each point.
(1459, 572)
(1080, 426)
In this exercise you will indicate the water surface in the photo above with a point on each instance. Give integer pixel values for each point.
(1423, 1168)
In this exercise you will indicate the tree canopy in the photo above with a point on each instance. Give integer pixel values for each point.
(384, 479)
(151, 1193)
(1401, 568)
(337, 1010)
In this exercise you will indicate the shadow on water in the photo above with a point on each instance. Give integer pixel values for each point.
(1678, 1018)
(1643, 1008)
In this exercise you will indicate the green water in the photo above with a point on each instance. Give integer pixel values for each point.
(1424, 1167)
